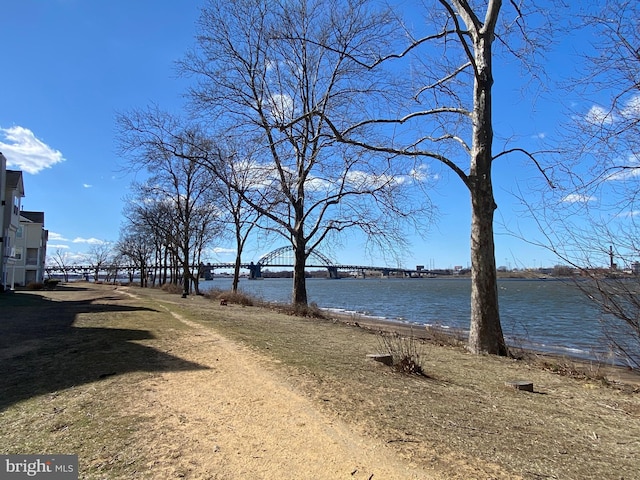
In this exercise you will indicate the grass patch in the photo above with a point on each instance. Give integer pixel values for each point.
(68, 368)
(66, 389)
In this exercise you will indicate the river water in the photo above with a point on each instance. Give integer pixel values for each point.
(544, 315)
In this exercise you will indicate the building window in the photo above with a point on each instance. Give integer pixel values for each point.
(18, 253)
(19, 232)
(32, 256)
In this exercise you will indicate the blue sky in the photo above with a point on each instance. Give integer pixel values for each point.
(71, 65)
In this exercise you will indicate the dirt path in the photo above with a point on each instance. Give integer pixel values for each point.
(242, 421)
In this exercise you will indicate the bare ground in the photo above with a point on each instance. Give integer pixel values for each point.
(143, 384)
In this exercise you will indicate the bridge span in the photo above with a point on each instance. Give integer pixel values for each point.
(280, 257)
(284, 257)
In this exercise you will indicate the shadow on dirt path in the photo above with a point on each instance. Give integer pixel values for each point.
(43, 351)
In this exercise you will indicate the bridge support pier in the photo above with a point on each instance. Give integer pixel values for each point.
(255, 271)
(206, 271)
(333, 272)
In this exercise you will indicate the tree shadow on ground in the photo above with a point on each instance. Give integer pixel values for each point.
(41, 351)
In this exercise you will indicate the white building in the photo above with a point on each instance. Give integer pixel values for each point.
(23, 239)
(30, 249)
(13, 191)
(3, 186)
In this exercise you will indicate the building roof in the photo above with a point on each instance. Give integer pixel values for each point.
(35, 217)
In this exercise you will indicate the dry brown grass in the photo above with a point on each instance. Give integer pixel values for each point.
(229, 296)
(462, 421)
(568, 428)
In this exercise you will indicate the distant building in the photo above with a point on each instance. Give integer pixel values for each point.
(31, 249)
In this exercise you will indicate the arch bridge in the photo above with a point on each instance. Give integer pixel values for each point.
(284, 257)
(280, 257)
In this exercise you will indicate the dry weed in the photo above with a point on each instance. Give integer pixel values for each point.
(407, 352)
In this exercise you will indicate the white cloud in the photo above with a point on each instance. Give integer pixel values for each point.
(420, 174)
(26, 152)
(219, 250)
(632, 108)
(57, 237)
(599, 116)
(87, 185)
(362, 179)
(539, 136)
(90, 241)
(55, 246)
(281, 106)
(627, 170)
(578, 198)
(632, 213)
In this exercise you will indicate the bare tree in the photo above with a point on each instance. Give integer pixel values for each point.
(136, 245)
(99, 256)
(439, 111)
(240, 181)
(113, 267)
(264, 73)
(156, 217)
(154, 131)
(590, 219)
(177, 200)
(62, 261)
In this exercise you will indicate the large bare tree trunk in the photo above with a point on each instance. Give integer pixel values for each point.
(236, 274)
(299, 279)
(485, 334)
(238, 261)
(186, 276)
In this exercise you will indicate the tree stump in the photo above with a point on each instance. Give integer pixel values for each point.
(383, 358)
(524, 385)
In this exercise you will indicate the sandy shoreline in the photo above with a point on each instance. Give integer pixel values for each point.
(580, 365)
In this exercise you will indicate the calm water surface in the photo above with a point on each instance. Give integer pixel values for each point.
(547, 315)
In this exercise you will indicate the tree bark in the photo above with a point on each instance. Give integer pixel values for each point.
(299, 280)
(485, 334)
(186, 274)
(238, 263)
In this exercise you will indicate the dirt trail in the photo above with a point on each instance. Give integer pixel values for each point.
(241, 421)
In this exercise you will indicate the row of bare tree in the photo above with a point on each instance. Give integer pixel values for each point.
(310, 119)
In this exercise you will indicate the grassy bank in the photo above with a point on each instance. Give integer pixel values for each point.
(73, 359)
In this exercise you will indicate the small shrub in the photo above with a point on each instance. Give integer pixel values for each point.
(585, 371)
(407, 352)
(51, 283)
(238, 298)
(172, 288)
(35, 286)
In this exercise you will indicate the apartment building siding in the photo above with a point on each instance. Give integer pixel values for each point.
(23, 238)
(13, 193)
(30, 249)
(3, 187)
